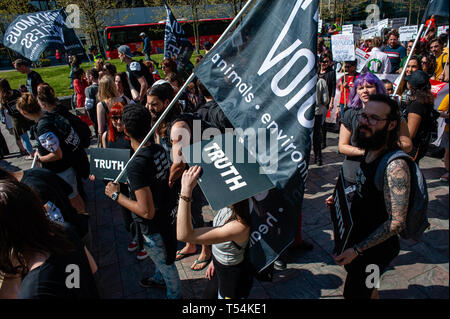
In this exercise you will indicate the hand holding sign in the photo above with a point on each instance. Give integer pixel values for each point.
(189, 180)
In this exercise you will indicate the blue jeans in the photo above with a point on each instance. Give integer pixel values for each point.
(154, 245)
(27, 143)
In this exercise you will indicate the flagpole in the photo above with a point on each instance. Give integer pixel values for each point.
(180, 92)
(409, 57)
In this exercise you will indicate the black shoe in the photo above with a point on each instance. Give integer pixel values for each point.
(323, 145)
(150, 283)
(320, 162)
(279, 264)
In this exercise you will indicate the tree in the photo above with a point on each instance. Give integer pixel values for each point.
(93, 16)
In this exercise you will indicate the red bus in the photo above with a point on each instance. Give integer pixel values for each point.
(115, 36)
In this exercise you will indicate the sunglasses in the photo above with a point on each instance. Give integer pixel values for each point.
(116, 118)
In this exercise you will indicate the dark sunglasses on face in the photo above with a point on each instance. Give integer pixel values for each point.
(370, 119)
(116, 118)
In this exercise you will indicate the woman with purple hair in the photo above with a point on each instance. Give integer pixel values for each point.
(365, 85)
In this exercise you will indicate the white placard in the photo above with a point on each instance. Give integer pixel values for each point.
(362, 58)
(319, 26)
(348, 28)
(343, 47)
(383, 24)
(442, 30)
(370, 33)
(408, 33)
(398, 22)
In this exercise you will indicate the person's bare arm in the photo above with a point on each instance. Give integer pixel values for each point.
(233, 230)
(405, 142)
(100, 118)
(51, 157)
(344, 145)
(143, 206)
(396, 190)
(144, 87)
(413, 124)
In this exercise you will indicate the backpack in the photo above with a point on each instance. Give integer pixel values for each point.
(80, 127)
(416, 218)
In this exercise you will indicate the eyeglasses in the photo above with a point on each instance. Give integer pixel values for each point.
(371, 119)
(116, 118)
(324, 61)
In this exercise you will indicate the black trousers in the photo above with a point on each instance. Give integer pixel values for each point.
(357, 271)
(317, 136)
(92, 112)
(232, 282)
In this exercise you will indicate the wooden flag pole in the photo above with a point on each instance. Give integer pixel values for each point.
(180, 92)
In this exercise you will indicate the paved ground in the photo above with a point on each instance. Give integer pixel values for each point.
(420, 271)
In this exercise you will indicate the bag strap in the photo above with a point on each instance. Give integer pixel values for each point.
(388, 158)
(105, 107)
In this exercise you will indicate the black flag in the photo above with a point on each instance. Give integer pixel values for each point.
(31, 34)
(175, 41)
(263, 77)
(436, 7)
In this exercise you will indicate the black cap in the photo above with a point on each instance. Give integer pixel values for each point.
(418, 79)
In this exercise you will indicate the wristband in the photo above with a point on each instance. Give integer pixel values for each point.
(356, 251)
(185, 198)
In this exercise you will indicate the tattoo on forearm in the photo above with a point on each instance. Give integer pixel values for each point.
(396, 192)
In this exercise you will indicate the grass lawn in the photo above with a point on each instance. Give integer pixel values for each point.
(58, 76)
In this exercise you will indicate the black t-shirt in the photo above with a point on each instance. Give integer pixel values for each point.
(424, 111)
(137, 70)
(48, 281)
(91, 96)
(151, 168)
(33, 80)
(121, 141)
(213, 114)
(368, 209)
(53, 131)
(52, 188)
(10, 104)
(351, 163)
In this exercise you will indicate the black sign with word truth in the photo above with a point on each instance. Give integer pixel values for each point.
(107, 163)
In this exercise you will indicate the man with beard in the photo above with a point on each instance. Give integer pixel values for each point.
(378, 216)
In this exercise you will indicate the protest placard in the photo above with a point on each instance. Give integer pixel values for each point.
(396, 23)
(408, 33)
(370, 33)
(442, 30)
(107, 163)
(343, 47)
(361, 58)
(383, 24)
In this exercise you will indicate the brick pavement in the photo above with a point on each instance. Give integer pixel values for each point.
(420, 271)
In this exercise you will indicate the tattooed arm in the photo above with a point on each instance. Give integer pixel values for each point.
(396, 189)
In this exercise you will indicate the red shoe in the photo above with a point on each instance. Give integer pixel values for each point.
(142, 255)
(132, 246)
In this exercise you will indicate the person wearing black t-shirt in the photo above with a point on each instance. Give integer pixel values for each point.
(54, 193)
(378, 215)
(419, 113)
(59, 146)
(151, 202)
(53, 262)
(140, 77)
(33, 78)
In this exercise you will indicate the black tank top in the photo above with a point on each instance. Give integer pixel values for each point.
(120, 142)
(368, 208)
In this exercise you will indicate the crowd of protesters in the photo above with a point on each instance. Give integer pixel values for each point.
(43, 215)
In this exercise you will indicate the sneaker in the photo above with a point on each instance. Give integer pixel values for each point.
(151, 283)
(142, 255)
(132, 246)
(444, 178)
(279, 264)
